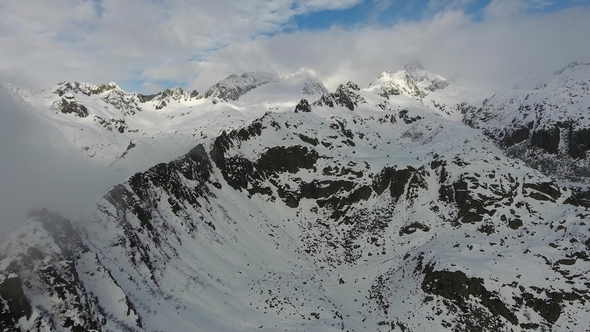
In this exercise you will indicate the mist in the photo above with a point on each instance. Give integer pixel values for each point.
(38, 170)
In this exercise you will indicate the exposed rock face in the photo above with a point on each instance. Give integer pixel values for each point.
(579, 143)
(312, 87)
(546, 139)
(546, 127)
(70, 107)
(345, 95)
(303, 106)
(48, 283)
(348, 213)
(458, 289)
(515, 137)
(232, 87)
(14, 303)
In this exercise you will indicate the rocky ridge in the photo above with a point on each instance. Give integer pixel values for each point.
(353, 211)
(548, 127)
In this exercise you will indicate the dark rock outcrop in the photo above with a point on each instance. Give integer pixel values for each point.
(547, 139)
(458, 288)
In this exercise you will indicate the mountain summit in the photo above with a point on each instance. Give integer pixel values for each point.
(414, 66)
(413, 81)
(392, 207)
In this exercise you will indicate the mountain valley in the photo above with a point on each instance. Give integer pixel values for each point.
(269, 203)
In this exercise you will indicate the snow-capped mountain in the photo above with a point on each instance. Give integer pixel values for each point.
(232, 87)
(352, 210)
(132, 131)
(413, 81)
(549, 126)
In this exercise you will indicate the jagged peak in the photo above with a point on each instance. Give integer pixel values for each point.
(245, 78)
(424, 78)
(413, 80)
(385, 75)
(414, 65)
(84, 88)
(572, 65)
(350, 85)
(312, 87)
(234, 86)
(76, 84)
(418, 73)
(176, 93)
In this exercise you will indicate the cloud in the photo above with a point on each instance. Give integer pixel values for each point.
(381, 5)
(444, 5)
(38, 169)
(104, 40)
(502, 9)
(197, 43)
(452, 43)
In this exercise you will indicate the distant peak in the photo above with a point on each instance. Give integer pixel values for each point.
(414, 65)
(385, 75)
(232, 87)
(572, 65)
(85, 88)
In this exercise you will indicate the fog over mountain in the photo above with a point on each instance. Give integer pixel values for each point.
(298, 165)
(415, 203)
(40, 170)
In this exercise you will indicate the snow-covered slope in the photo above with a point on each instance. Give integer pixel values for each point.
(232, 87)
(414, 84)
(326, 212)
(413, 81)
(132, 131)
(549, 126)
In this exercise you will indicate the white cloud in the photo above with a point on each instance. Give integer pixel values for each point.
(505, 8)
(450, 43)
(438, 5)
(200, 42)
(107, 40)
(317, 5)
(37, 169)
(381, 5)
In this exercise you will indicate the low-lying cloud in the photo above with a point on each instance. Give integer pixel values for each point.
(38, 169)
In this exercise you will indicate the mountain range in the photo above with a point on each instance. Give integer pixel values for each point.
(269, 203)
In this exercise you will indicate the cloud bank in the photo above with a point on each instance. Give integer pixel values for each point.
(148, 45)
(38, 169)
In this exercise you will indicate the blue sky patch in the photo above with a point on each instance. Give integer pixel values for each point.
(388, 12)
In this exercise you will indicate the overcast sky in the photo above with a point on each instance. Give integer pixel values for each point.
(39, 169)
(145, 45)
